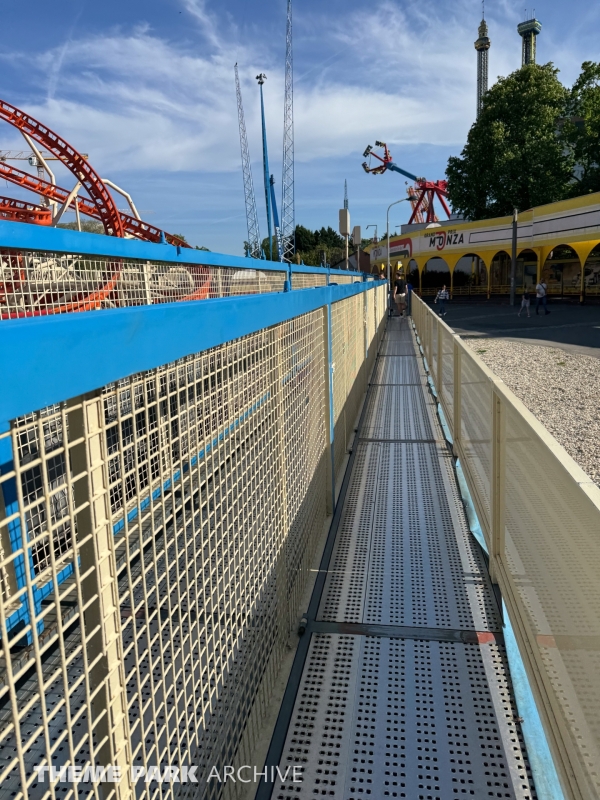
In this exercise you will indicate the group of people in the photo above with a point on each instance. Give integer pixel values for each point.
(401, 292)
(541, 299)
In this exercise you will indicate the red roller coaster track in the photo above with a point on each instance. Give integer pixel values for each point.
(130, 225)
(108, 213)
(21, 211)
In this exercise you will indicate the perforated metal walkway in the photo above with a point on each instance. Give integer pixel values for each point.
(401, 687)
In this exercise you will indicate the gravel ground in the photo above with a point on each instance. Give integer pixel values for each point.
(560, 388)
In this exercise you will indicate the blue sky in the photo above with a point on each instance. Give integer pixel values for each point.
(147, 90)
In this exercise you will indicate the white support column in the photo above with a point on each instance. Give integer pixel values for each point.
(98, 568)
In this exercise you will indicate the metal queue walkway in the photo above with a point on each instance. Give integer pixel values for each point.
(400, 687)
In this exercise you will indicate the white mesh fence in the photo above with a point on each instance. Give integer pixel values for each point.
(540, 516)
(35, 283)
(156, 537)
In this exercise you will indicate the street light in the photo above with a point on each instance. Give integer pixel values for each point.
(410, 198)
(376, 239)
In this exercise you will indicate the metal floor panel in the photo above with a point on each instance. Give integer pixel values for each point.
(399, 412)
(397, 347)
(405, 690)
(403, 554)
(378, 717)
(398, 370)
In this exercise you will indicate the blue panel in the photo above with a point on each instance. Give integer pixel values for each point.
(22, 236)
(46, 360)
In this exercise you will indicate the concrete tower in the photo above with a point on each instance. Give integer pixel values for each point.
(482, 45)
(528, 30)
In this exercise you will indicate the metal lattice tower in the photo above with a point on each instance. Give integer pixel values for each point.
(482, 45)
(528, 31)
(254, 249)
(346, 195)
(288, 223)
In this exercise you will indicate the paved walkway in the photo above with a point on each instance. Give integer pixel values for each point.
(568, 326)
(400, 687)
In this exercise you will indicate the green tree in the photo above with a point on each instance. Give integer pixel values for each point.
(305, 239)
(581, 129)
(87, 226)
(516, 155)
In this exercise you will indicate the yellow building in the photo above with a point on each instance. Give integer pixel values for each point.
(559, 242)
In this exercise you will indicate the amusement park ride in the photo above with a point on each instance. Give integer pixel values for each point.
(423, 191)
(77, 285)
(284, 232)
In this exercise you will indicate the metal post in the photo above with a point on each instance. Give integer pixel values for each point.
(497, 500)
(439, 365)
(457, 399)
(513, 263)
(329, 410)
(97, 566)
(146, 283)
(346, 255)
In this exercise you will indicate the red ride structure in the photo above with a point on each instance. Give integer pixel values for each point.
(425, 191)
(21, 211)
(38, 284)
(102, 207)
(130, 225)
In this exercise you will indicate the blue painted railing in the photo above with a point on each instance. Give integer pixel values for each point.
(46, 360)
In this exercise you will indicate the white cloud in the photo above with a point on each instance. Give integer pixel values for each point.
(404, 73)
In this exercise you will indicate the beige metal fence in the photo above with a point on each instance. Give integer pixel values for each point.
(34, 283)
(156, 537)
(350, 340)
(540, 514)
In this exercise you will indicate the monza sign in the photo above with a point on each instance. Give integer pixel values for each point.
(442, 239)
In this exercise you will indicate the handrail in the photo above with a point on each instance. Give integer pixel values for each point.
(18, 236)
(540, 515)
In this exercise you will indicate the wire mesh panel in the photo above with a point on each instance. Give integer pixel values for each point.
(476, 441)
(540, 514)
(552, 555)
(348, 355)
(305, 280)
(36, 283)
(344, 279)
(211, 473)
(447, 374)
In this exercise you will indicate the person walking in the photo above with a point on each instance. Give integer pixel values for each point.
(541, 292)
(399, 295)
(441, 297)
(525, 303)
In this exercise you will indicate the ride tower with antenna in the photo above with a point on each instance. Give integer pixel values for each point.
(482, 45)
(346, 195)
(269, 182)
(528, 32)
(254, 246)
(288, 221)
(261, 78)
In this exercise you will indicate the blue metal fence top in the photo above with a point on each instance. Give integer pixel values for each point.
(21, 236)
(44, 360)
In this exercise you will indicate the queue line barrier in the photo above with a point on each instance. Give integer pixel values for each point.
(540, 516)
(166, 473)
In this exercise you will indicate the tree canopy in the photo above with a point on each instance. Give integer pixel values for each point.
(516, 155)
(581, 129)
(313, 246)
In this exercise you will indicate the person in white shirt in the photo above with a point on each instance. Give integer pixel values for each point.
(541, 291)
(441, 298)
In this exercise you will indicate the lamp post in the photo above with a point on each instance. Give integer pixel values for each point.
(376, 239)
(404, 200)
(513, 261)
